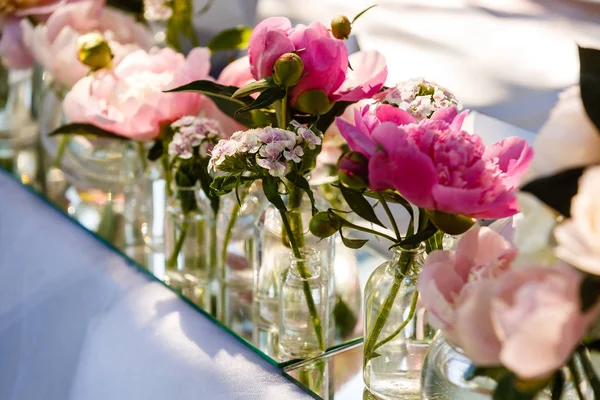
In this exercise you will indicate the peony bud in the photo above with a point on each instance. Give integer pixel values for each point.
(314, 102)
(341, 27)
(452, 224)
(287, 70)
(353, 170)
(93, 50)
(324, 224)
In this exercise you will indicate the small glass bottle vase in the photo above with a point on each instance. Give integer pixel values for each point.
(396, 333)
(304, 306)
(188, 223)
(445, 367)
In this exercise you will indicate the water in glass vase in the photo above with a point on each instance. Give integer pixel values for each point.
(397, 335)
(187, 245)
(304, 306)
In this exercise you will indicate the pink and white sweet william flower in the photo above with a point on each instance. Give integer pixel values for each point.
(130, 100)
(54, 44)
(325, 60)
(579, 238)
(435, 165)
(192, 132)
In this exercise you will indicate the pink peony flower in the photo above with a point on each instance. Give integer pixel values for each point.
(325, 60)
(13, 52)
(54, 44)
(481, 255)
(237, 73)
(535, 312)
(130, 101)
(435, 165)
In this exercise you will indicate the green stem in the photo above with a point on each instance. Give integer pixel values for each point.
(411, 314)
(168, 173)
(172, 261)
(350, 225)
(390, 216)
(213, 247)
(589, 370)
(282, 114)
(142, 154)
(229, 230)
(576, 378)
(384, 313)
(62, 146)
(310, 302)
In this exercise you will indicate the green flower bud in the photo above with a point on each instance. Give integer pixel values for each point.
(93, 50)
(451, 224)
(353, 170)
(314, 102)
(341, 27)
(324, 224)
(287, 70)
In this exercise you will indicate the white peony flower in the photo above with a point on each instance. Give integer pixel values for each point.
(579, 238)
(567, 140)
(533, 228)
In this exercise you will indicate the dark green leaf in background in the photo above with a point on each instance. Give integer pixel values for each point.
(589, 81)
(235, 38)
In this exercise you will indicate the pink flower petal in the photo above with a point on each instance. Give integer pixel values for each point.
(365, 79)
(513, 154)
(389, 113)
(357, 139)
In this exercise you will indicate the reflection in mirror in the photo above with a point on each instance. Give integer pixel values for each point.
(228, 299)
(334, 376)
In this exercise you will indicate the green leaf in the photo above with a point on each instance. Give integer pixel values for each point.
(557, 190)
(589, 291)
(362, 12)
(391, 196)
(270, 188)
(235, 38)
(353, 243)
(86, 130)
(222, 185)
(589, 82)
(419, 237)
(453, 224)
(201, 167)
(265, 99)
(327, 119)
(303, 184)
(257, 86)
(156, 151)
(345, 319)
(558, 385)
(360, 205)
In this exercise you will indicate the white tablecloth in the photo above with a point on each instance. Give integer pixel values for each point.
(77, 322)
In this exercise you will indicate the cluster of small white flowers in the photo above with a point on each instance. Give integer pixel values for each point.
(273, 148)
(193, 132)
(421, 98)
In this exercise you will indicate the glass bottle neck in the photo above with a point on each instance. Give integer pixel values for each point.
(307, 266)
(407, 261)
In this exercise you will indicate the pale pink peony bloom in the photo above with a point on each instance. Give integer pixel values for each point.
(130, 101)
(536, 314)
(579, 238)
(435, 165)
(236, 73)
(568, 139)
(325, 60)
(448, 276)
(54, 44)
(13, 52)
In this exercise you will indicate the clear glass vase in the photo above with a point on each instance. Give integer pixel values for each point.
(236, 244)
(188, 227)
(396, 332)
(443, 377)
(18, 130)
(304, 306)
(271, 258)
